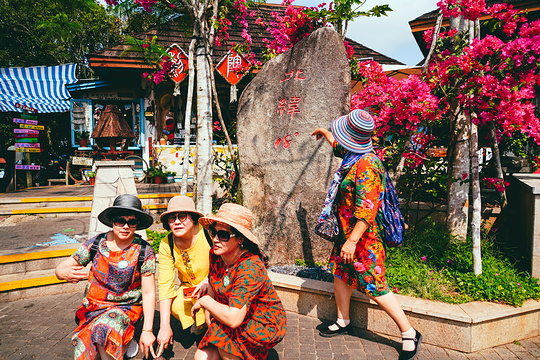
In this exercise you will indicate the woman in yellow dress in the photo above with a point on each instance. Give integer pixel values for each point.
(190, 256)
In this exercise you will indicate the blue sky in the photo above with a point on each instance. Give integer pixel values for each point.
(390, 35)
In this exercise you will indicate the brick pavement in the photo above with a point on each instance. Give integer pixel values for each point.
(41, 328)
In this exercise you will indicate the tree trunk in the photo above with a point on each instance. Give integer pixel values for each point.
(498, 165)
(477, 204)
(458, 171)
(204, 132)
(476, 220)
(458, 161)
(187, 117)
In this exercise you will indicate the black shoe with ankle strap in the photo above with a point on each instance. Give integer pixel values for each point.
(409, 355)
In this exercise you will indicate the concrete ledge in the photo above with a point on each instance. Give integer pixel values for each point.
(467, 327)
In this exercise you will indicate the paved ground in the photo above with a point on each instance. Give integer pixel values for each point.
(22, 231)
(41, 328)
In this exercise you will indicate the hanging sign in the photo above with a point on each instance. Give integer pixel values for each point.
(29, 116)
(31, 150)
(34, 127)
(230, 64)
(27, 167)
(25, 121)
(27, 145)
(26, 136)
(27, 108)
(26, 131)
(26, 140)
(180, 60)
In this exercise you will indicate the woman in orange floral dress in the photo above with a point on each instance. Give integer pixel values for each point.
(357, 259)
(244, 313)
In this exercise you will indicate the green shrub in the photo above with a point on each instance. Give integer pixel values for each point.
(431, 264)
(154, 238)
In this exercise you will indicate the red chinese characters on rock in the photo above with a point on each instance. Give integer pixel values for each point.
(297, 77)
(289, 106)
(286, 141)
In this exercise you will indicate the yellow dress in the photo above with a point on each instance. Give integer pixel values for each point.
(192, 265)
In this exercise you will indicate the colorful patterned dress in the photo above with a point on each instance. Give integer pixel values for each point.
(245, 282)
(192, 265)
(358, 198)
(112, 300)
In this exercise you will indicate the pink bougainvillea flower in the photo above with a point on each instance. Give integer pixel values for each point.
(424, 258)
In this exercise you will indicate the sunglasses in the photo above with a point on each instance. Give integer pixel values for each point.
(180, 216)
(222, 235)
(120, 222)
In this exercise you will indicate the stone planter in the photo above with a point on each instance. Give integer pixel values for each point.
(467, 327)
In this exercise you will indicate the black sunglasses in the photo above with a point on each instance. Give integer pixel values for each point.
(180, 216)
(222, 235)
(120, 222)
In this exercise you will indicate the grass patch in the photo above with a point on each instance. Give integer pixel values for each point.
(433, 265)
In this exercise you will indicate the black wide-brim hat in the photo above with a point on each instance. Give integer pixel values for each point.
(128, 204)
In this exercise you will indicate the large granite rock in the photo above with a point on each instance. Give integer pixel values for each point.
(285, 172)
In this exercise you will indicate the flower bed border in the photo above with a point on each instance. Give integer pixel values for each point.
(465, 327)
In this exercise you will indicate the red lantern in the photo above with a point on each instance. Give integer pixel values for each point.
(229, 68)
(180, 60)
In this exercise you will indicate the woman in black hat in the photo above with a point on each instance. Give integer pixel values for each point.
(120, 285)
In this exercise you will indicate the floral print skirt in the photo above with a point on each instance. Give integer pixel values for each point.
(366, 272)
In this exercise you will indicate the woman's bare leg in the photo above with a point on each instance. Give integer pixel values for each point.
(226, 356)
(103, 354)
(207, 353)
(343, 293)
(390, 305)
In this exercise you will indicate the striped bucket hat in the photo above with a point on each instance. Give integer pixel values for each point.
(353, 131)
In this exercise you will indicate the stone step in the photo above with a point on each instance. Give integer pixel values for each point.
(33, 284)
(26, 273)
(21, 261)
(75, 204)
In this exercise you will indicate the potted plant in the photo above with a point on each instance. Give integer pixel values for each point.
(83, 137)
(91, 175)
(170, 176)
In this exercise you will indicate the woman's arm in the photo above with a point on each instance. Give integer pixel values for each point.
(165, 335)
(227, 315)
(320, 132)
(71, 271)
(149, 305)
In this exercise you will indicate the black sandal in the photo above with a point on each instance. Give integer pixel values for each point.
(409, 355)
(326, 332)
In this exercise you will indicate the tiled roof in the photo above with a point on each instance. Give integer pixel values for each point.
(173, 32)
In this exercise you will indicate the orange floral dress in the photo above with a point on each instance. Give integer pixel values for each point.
(112, 300)
(245, 282)
(359, 198)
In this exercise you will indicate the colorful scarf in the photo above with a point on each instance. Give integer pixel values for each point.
(327, 226)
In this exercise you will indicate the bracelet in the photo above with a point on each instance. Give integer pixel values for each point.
(147, 330)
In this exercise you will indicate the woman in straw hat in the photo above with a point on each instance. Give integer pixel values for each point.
(121, 285)
(189, 255)
(357, 259)
(244, 314)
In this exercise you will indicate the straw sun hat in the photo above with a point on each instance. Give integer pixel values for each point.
(178, 204)
(353, 131)
(127, 204)
(234, 215)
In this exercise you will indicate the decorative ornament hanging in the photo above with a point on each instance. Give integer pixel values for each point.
(229, 68)
(180, 69)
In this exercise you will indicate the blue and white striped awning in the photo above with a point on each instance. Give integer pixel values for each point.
(40, 87)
